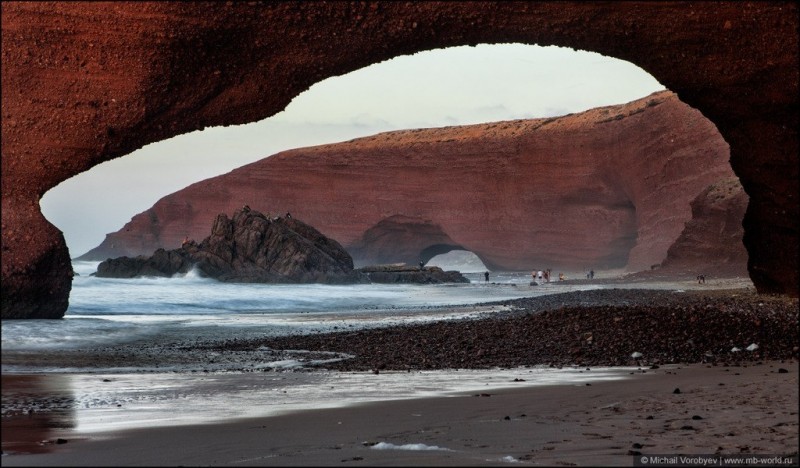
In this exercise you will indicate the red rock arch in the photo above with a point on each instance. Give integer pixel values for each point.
(87, 82)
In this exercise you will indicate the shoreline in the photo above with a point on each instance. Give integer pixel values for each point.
(748, 409)
(745, 400)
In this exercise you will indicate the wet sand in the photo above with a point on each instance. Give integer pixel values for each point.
(747, 409)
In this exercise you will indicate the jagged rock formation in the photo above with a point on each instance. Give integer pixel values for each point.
(87, 82)
(249, 248)
(605, 188)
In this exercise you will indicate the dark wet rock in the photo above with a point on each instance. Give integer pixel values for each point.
(406, 274)
(249, 248)
(253, 248)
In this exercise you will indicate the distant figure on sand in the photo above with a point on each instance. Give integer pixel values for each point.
(486, 275)
(561, 276)
(701, 279)
(421, 265)
(539, 275)
(547, 275)
(591, 274)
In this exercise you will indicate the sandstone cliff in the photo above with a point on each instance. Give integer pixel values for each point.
(607, 188)
(87, 82)
(711, 242)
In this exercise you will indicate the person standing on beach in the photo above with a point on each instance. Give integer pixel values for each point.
(539, 275)
(486, 275)
(591, 274)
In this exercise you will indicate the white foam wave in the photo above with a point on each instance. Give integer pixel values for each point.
(388, 446)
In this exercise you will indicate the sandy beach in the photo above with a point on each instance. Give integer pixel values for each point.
(675, 409)
(689, 393)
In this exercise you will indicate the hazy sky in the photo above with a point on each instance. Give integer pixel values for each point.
(455, 86)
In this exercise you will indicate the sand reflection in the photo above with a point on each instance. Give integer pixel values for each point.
(36, 409)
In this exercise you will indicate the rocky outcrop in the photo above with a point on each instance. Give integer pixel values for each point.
(406, 274)
(606, 188)
(86, 82)
(249, 248)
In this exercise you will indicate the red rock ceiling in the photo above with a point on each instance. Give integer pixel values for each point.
(85, 82)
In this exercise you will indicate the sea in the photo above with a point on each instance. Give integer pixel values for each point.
(59, 368)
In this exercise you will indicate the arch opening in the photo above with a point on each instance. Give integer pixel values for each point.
(430, 89)
(754, 104)
(403, 230)
(456, 259)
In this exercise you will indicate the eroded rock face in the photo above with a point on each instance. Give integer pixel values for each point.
(711, 242)
(606, 188)
(248, 248)
(86, 82)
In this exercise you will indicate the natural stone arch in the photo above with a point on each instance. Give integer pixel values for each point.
(438, 249)
(87, 82)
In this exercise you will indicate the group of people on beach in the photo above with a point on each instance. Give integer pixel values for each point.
(544, 275)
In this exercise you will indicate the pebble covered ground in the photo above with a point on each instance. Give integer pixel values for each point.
(605, 327)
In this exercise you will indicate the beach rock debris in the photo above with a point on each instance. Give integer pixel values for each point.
(664, 326)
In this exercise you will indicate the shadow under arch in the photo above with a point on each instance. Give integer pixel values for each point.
(175, 67)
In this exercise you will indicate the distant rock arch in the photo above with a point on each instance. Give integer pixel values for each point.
(438, 249)
(84, 83)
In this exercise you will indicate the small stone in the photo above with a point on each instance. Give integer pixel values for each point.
(783, 371)
(697, 418)
(676, 391)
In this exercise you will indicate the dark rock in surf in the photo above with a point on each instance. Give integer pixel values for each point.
(250, 248)
(415, 275)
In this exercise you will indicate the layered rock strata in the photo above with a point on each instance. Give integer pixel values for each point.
(711, 242)
(607, 188)
(87, 82)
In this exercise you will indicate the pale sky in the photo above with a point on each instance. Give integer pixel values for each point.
(454, 86)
